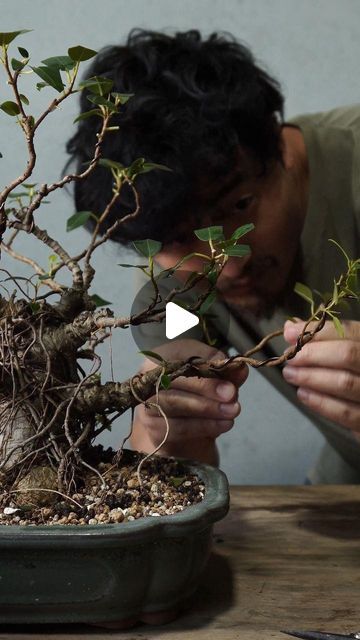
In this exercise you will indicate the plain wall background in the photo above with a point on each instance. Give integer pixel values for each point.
(311, 46)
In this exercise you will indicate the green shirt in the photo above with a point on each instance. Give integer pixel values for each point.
(332, 142)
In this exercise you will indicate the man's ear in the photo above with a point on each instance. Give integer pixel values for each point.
(286, 148)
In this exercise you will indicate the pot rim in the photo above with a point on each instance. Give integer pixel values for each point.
(196, 517)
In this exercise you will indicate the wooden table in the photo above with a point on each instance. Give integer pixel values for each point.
(284, 558)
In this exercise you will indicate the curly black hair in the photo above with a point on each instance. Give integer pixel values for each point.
(195, 101)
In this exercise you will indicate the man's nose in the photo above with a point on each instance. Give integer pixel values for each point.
(234, 267)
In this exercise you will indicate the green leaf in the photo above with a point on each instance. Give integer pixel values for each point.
(238, 250)
(338, 326)
(148, 248)
(207, 302)
(97, 84)
(88, 114)
(24, 99)
(99, 302)
(17, 65)
(78, 219)
(18, 194)
(46, 276)
(80, 53)
(165, 381)
(123, 98)
(140, 166)
(10, 107)
(65, 63)
(23, 52)
(9, 36)
(335, 293)
(101, 101)
(210, 233)
(152, 354)
(304, 291)
(133, 266)
(51, 77)
(177, 481)
(111, 164)
(34, 306)
(212, 276)
(241, 231)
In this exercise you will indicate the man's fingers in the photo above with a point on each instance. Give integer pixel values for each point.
(341, 384)
(177, 403)
(219, 389)
(340, 354)
(343, 412)
(181, 429)
(351, 331)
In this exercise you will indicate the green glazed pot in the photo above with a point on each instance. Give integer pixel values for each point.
(113, 574)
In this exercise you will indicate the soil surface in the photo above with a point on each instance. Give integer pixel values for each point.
(166, 488)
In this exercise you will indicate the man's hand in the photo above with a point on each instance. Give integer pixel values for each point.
(198, 409)
(327, 372)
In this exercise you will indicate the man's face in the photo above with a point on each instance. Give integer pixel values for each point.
(273, 203)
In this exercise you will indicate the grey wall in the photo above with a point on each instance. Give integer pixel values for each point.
(312, 46)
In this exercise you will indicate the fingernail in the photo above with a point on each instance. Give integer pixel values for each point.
(230, 409)
(290, 373)
(303, 394)
(225, 390)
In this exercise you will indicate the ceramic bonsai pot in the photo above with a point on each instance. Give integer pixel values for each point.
(113, 574)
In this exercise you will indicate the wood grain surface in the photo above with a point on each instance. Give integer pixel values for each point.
(283, 558)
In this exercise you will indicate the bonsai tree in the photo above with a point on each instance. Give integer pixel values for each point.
(51, 406)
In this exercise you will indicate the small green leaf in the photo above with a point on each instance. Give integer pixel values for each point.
(99, 302)
(17, 65)
(18, 194)
(212, 276)
(9, 36)
(97, 84)
(35, 306)
(210, 233)
(241, 231)
(123, 98)
(304, 291)
(238, 250)
(148, 248)
(24, 99)
(207, 302)
(102, 101)
(140, 166)
(111, 164)
(80, 53)
(78, 219)
(152, 354)
(65, 63)
(165, 381)
(23, 52)
(10, 107)
(335, 293)
(177, 481)
(338, 326)
(51, 76)
(133, 266)
(46, 276)
(88, 114)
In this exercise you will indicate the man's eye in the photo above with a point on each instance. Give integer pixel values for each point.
(243, 203)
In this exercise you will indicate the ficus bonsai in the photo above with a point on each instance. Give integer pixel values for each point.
(51, 408)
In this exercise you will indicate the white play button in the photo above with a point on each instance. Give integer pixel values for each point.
(178, 320)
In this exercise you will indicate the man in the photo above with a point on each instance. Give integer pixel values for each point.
(206, 110)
